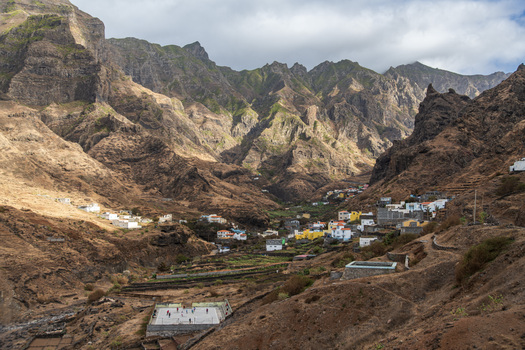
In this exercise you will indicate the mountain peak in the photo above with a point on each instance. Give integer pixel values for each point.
(197, 50)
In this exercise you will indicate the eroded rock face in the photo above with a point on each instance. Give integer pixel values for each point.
(50, 66)
(436, 112)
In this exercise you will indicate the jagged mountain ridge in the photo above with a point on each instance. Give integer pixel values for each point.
(461, 145)
(352, 106)
(300, 129)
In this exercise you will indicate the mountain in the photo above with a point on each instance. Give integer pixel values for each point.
(301, 129)
(183, 127)
(461, 145)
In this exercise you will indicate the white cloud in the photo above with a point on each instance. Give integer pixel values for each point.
(468, 36)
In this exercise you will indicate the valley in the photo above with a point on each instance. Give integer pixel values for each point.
(136, 177)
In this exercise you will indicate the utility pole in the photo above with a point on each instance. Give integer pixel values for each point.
(475, 197)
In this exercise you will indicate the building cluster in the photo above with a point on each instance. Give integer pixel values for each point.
(213, 219)
(125, 219)
(345, 194)
(409, 216)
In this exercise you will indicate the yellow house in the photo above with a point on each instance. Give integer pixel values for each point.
(311, 235)
(355, 216)
(414, 223)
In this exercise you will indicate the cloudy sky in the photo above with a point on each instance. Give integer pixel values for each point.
(464, 36)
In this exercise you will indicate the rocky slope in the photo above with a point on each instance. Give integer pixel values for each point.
(459, 146)
(300, 128)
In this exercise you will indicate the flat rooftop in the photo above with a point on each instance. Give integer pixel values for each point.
(372, 265)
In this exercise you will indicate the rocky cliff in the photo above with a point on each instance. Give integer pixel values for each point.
(462, 146)
(299, 129)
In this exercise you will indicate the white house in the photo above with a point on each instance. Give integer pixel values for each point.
(240, 236)
(270, 233)
(518, 165)
(414, 206)
(273, 244)
(344, 215)
(166, 218)
(109, 216)
(130, 225)
(214, 218)
(224, 234)
(91, 208)
(366, 241)
(342, 233)
(64, 200)
(364, 223)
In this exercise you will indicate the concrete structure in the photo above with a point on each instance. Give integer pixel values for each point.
(109, 216)
(166, 218)
(172, 319)
(91, 208)
(309, 234)
(518, 165)
(274, 244)
(343, 215)
(412, 226)
(130, 225)
(270, 233)
(359, 269)
(213, 218)
(366, 241)
(64, 200)
(342, 234)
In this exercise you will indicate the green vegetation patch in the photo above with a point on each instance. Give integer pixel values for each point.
(478, 256)
(510, 185)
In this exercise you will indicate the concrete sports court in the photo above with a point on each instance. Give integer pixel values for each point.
(175, 318)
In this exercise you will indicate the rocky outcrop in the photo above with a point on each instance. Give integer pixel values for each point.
(436, 112)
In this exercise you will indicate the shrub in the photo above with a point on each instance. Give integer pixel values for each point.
(479, 255)
(181, 258)
(214, 293)
(510, 185)
(271, 297)
(450, 221)
(95, 295)
(89, 287)
(296, 284)
(282, 296)
(162, 267)
(430, 228)
(346, 259)
(403, 239)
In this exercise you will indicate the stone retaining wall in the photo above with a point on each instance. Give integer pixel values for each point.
(171, 330)
(436, 246)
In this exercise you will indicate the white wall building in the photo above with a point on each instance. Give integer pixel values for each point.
(109, 216)
(274, 244)
(364, 223)
(344, 215)
(366, 241)
(519, 165)
(91, 208)
(130, 225)
(341, 233)
(166, 218)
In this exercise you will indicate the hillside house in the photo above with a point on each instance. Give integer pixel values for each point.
(64, 200)
(109, 216)
(90, 208)
(366, 241)
(412, 226)
(317, 225)
(309, 234)
(126, 224)
(166, 218)
(292, 224)
(518, 166)
(383, 201)
(213, 218)
(224, 234)
(343, 215)
(342, 234)
(270, 233)
(240, 236)
(274, 244)
(333, 224)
